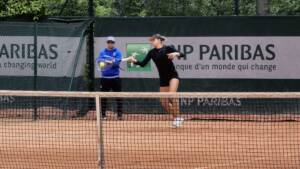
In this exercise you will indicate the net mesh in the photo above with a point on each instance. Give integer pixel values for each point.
(41, 132)
(220, 130)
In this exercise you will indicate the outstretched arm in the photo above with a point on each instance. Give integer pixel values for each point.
(140, 63)
(173, 53)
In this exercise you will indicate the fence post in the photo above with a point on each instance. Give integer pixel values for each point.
(91, 65)
(236, 7)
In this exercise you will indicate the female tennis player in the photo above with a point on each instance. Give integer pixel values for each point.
(162, 56)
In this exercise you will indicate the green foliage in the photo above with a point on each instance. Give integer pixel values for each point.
(37, 8)
(22, 7)
(198, 7)
(247, 7)
(127, 7)
(71, 8)
(3, 6)
(285, 7)
(103, 7)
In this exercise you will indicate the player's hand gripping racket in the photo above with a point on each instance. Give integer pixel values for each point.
(104, 63)
(130, 59)
(173, 55)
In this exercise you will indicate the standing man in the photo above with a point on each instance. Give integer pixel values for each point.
(109, 61)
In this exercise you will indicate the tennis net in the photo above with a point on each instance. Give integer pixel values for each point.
(220, 130)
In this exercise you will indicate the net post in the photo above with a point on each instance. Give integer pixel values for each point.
(35, 115)
(99, 131)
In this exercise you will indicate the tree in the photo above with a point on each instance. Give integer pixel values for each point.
(38, 8)
(247, 7)
(22, 8)
(127, 7)
(284, 7)
(103, 7)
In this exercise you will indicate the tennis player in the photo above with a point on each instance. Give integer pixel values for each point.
(111, 58)
(163, 56)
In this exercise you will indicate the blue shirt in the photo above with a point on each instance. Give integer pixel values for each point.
(110, 70)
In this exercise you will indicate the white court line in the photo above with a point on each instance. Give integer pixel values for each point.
(227, 165)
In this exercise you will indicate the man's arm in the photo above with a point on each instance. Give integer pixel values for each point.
(118, 59)
(100, 58)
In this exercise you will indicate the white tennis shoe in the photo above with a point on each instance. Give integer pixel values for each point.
(177, 122)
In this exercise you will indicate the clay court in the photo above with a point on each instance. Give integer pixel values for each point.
(149, 84)
(141, 142)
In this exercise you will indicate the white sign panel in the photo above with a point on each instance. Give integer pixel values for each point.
(56, 56)
(224, 57)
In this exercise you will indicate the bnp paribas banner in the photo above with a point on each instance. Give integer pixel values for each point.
(56, 56)
(218, 57)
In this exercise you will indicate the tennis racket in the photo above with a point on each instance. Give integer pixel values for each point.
(102, 65)
(126, 60)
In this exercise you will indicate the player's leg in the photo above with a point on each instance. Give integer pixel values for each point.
(174, 102)
(105, 87)
(170, 104)
(117, 87)
(164, 101)
(164, 87)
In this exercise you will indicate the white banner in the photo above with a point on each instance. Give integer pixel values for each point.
(222, 57)
(56, 56)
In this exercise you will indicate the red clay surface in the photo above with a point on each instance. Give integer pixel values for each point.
(149, 142)
(51, 144)
(201, 145)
